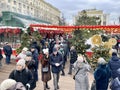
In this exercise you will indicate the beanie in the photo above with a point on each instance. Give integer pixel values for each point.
(28, 53)
(101, 61)
(21, 62)
(45, 50)
(25, 49)
(7, 84)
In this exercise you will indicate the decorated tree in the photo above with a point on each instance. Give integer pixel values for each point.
(27, 38)
(99, 51)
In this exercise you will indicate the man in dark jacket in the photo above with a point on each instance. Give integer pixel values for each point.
(56, 62)
(8, 51)
(114, 64)
(35, 58)
(73, 58)
(1, 58)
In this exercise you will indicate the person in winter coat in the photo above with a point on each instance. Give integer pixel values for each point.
(56, 62)
(8, 51)
(45, 68)
(23, 75)
(115, 83)
(35, 55)
(114, 64)
(30, 64)
(73, 58)
(1, 58)
(102, 75)
(81, 68)
(10, 84)
(22, 54)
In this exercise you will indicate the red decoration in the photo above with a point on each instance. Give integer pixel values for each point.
(109, 28)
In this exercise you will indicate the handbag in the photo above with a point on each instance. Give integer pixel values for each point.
(45, 69)
(75, 74)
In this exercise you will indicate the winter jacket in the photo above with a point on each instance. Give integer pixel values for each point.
(115, 84)
(35, 57)
(7, 50)
(73, 56)
(102, 76)
(81, 78)
(1, 54)
(46, 76)
(114, 64)
(24, 76)
(56, 59)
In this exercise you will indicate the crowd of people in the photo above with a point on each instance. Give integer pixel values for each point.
(53, 62)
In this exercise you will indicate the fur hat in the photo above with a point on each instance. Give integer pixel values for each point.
(101, 61)
(21, 62)
(7, 84)
(45, 50)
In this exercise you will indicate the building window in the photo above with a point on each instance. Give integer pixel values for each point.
(20, 5)
(14, 2)
(9, 1)
(24, 6)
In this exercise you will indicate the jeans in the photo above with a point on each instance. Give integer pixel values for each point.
(56, 77)
(8, 59)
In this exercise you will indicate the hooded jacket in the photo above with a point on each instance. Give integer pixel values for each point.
(114, 64)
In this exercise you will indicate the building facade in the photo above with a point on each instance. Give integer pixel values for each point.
(97, 13)
(38, 9)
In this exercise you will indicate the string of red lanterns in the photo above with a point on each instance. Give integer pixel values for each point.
(108, 28)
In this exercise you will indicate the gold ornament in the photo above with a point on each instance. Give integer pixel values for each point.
(107, 45)
(96, 40)
(112, 41)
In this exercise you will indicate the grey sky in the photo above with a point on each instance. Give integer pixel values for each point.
(69, 8)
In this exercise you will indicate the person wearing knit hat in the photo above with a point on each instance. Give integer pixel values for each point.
(45, 69)
(22, 54)
(102, 74)
(45, 51)
(30, 65)
(114, 64)
(21, 74)
(7, 84)
(21, 64)
(10, 84)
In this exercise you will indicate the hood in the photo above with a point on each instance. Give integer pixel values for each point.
(114, 58)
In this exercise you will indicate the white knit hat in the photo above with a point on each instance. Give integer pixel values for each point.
(25, 49)
(45, 50)
(21, 62)
(7, 84)
(101, 61)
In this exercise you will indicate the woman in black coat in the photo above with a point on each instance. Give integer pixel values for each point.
(21, 74)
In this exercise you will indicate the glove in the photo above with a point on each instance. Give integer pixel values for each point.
(27, 86)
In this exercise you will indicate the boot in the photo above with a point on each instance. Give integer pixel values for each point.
(47, 86)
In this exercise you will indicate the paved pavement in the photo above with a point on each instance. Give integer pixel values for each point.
(66, 82)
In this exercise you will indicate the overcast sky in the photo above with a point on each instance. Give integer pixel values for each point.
(69, 8)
